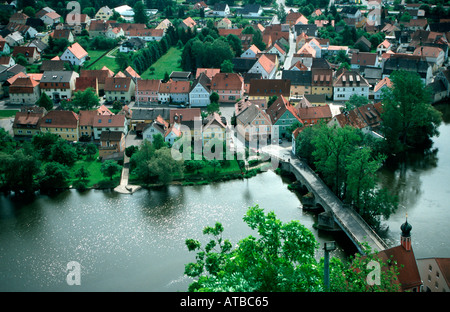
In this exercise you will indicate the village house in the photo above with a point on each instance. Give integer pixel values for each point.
(172, 134)
(109, 123)
(435, 274)
(433, 55)
(63, 34)
(158, 126)
(282, 115)
(250, 10)
(348, 83)
(224, 23)
(322, 82)
(147, 90)
(300, 82)
(111, 142)
(100, 74)
(408, 62)
(378, 89)
(367, 118)
(119, 89)
(229, 87)
(221, 9)
(75, 54)
(4, 47)
(141, 117)
(24, 90)
(62, 123)
(188, 23)
(27, 122)
(145, 34)
(200, 91)
(278, 50)
(31, 53)
(51, 18)
(384, 47)
(83, 83)
(18, 18)
(179, 91)
(214, 131)
(104, 13)
(265, 67)
(59, 85)
(361, 60)
(14, 39)
(250, 52)
(7, 61)
(267, 88)
(313, 115)
(250, 119)
(189, 118)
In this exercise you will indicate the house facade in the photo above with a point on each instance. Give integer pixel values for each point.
(200, 91)
(62, 123)
(348, 83)
(282, 115)
(229, 86)
(24, 90)
(120, 89)
(58, 85)
(147, 90)
(75, 54)
(109, 123)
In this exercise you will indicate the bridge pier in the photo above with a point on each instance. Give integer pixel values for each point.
(326, 222)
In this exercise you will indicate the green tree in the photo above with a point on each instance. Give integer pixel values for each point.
(139, 13)
(45, 102)
(332, 146)
(63, 153)
(19, 171)
(163, 167)
(53, 176)
(91, 150)
(86, 99)
(226, 67)
(280, 258)
(213, 107)
(82, 173)
(409, 119)
(21, 59)
(158, 141)
(355, 101)
(110, 168)
(122, 60)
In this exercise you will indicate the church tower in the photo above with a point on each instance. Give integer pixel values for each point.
(406, 235)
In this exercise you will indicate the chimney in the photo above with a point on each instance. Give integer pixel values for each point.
(405, 238)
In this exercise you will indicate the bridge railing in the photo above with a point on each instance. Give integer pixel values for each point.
(355, 215)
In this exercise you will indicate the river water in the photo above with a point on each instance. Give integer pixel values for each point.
(136, 242)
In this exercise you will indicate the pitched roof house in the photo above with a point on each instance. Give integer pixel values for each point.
(348, 83)
(62, 123)
(266, 88)
(147, 90)
(75, 54)
(283, 115)
(119, 89)
(265, 67)
(229, 86)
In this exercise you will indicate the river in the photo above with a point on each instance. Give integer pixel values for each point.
(136, 242)
(132, 242)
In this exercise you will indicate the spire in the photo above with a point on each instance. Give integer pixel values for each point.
(406, 235)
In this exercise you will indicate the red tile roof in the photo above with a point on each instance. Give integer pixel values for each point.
(77, 50)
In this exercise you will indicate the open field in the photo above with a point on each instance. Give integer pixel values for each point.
(169, 62)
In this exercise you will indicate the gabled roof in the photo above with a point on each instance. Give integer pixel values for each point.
(364, 59)
(60, 119)
(105, 121)
(383, 82)
(270, 87)
(266, 63)
(279, 108)
(227, 81)
(117, 83)
(189, 22)
(250, 113)
(148, 85)
(315, 112)
(77, 50)
(209, 72)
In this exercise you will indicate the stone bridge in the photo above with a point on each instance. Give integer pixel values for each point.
(336, 215)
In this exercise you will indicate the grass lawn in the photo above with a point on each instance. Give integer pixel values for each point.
(6, 113)
(109, 62)
(169, 62)
(96, 177)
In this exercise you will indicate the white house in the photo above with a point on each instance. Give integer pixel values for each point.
(104, 13)
(265, 67)
(14, 39)
(51, 18)
(221, 9)
(433, 55)
(200, 92)
(251, 52)
(348, 83)
(158, 126)
(75, 54)
(382, 84)
(109, 123)
(277, 49)
(172, 134)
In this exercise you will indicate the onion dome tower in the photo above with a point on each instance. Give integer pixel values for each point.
(406, 235)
